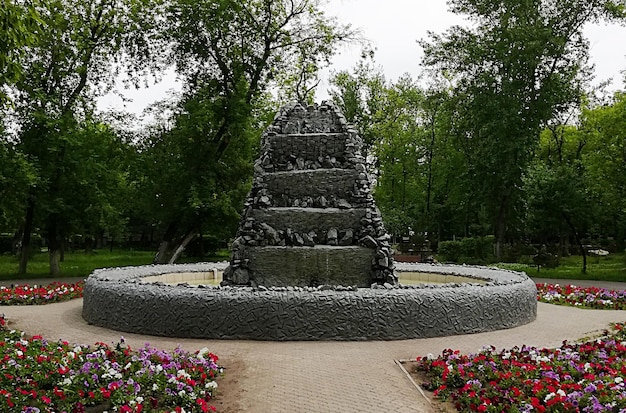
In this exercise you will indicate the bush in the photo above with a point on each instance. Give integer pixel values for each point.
(6, 243)
(476, 250)
(518, 252)
(449, 251)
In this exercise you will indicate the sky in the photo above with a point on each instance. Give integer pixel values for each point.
(393, 28)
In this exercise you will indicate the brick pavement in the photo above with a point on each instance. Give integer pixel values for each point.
(322, 376)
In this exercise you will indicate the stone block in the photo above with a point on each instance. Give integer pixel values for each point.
(311, 266)
(305, 220)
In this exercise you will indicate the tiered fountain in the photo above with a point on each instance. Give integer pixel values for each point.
(311, 261)
(310, 219)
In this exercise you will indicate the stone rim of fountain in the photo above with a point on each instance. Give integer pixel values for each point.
(122, 299)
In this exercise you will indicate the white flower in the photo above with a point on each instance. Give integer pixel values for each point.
(127, 366)
(181, 393)
(548, 397)
(211, 385)
(155, 387)
(139, 399)
(619, 380)
(202, 352)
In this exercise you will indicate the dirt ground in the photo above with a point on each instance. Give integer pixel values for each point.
(420, 377)
(229, 391)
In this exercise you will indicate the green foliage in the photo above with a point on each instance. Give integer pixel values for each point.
(17, 30)
(604, 158)
(191, 188)
(513, 70)
(68, 151)
(16, 175)
(449, 251)
(472, 250)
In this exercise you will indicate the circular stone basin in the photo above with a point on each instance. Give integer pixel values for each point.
(160, 300)
(214, 277)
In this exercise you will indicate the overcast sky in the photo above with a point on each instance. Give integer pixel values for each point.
(393, 27)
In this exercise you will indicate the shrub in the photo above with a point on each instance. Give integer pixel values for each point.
(476, 250)
(449, 251)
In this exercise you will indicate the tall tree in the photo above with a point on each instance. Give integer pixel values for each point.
(360, 95)
(518, 65)
(559, 203)
(73, 56)
(18, 26)
(604, 130)
(229, 54)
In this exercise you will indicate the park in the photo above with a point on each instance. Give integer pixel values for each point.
(451, 241)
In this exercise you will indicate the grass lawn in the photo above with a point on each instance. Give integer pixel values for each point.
(80, 264)
(609, 268)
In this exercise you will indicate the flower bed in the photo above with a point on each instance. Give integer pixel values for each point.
(30, 295)
(37, 376)
(586, 377)
(589, 297)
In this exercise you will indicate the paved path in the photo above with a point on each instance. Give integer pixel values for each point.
(321, 376)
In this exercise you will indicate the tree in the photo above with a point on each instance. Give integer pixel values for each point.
(558, 200)
(360, 95)
(514, 69)
(603, 128)
(16, 175)
(73, 56)
(229, 54)
(17, 29)
(179, 183)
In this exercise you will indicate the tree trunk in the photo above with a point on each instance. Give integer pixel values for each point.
(431, 151)
(28, 228)
(54, 246)
(166, 249)
(579, 242)
(182, 245)
(55, 261)
(500, 230)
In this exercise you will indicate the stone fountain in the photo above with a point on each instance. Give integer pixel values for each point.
(310, 218)
(311, 261)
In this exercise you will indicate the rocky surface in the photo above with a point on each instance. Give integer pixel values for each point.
(119, 298)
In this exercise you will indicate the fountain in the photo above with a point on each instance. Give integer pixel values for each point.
(311, 261)
(310, 218)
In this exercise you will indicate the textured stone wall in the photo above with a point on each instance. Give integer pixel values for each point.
(322, 219)
(302, 152)
(119, 299)
(337, 183)
(319, 265)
